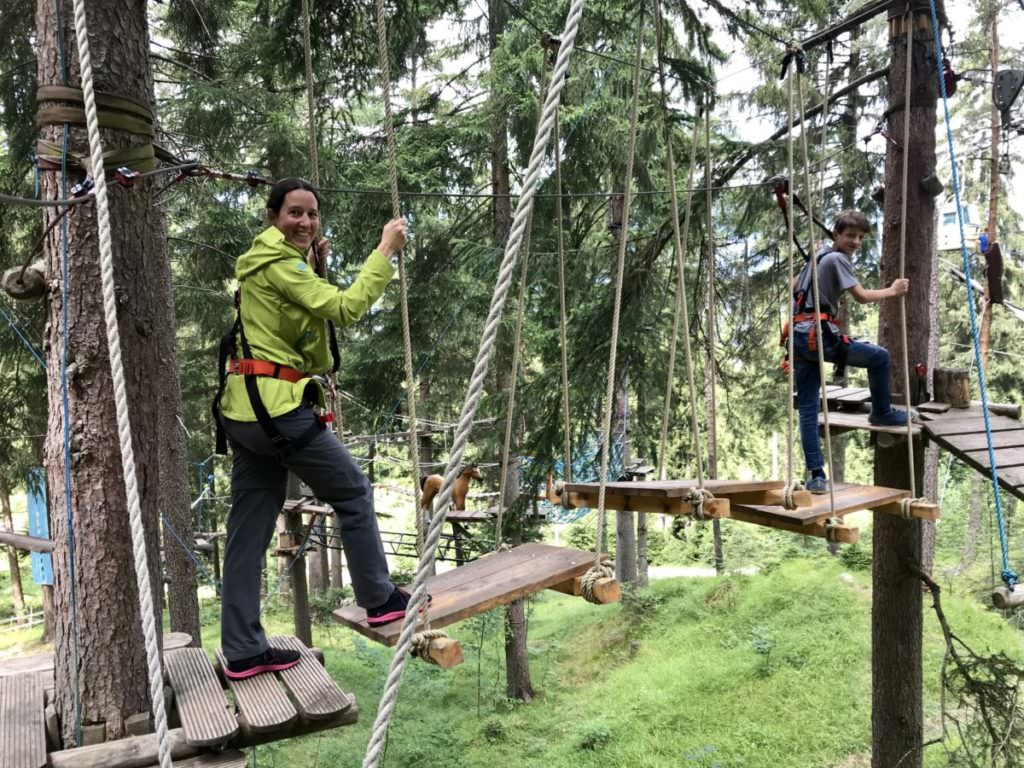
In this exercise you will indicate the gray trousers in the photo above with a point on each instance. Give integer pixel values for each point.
(258, 487)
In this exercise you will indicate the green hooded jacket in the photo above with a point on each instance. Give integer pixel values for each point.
(285, 306)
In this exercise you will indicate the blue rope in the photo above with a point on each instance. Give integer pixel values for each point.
(1009, 576)
(195, 560)
(24, 340)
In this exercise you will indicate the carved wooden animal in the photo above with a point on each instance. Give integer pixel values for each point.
(431, 486)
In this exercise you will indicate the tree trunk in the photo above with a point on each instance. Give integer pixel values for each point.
(111, 671)
(17, 595)
(625, 526)
(182, 598)
(897, 718)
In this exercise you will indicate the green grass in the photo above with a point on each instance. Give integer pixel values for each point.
(769, 670)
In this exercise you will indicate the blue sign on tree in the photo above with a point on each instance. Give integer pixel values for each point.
(39, 525)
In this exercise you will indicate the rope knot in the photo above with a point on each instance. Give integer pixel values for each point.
(906, 504)
(1009, 578)
(420, 647)
(788, 502)
(696, 498)
(602, 570)
(832, 525)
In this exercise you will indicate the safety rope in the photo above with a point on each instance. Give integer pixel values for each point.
(1009, 575)
(410, 375)
(904, 187)
(146, 608)
(389, 697)
(307, 45)
(816, 296)
(824, 120)
(563, 332)
(711, 393)
(609, 398)
(680, 243)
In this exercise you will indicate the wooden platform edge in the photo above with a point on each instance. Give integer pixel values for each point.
(714, 508)
(841, 534)
(770, 498)
(920, 510)
(605, 590)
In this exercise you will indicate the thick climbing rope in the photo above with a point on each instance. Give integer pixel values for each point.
(904, 189)
(816, 296)
(389, 698)
(609, 398)
(711, 392)
(563, 331)
(1008, 574)
(146, 608)
(410, 375)
(680, 244)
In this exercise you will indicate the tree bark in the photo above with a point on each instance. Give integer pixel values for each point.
(17, 594)
(111, 673)
(897, 717)
(625, 526)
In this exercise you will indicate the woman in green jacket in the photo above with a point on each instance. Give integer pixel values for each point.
(268, 409)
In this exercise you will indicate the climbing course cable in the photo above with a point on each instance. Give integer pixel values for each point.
(146, 607)
(787, 298)
(1008, 574)
(609, 397)
(396, 211)
(389, 698)
(563, 332)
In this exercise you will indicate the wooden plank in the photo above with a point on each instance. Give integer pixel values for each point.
(839, 394)
(25, 543)
(22, 724)
(204, 712)
(1005, 457)
(846, 420)
(713, 508)
(261, 702)
(848, 498)
(971, 424)
(921, 510)
(855, 398)
(771, 498)
(315, 694)
(931, 407)
(229, 759)
(979, 441)
(495, 579)
(674, 488)
(43, 662)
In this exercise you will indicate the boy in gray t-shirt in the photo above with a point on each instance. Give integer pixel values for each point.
(835, 275)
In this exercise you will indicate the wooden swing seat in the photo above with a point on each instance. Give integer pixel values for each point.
(267, 707)
(488, 582)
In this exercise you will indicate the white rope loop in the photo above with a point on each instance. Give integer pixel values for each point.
(389, 698)
(420, 645)
(603, 570)
(832, 526)
(146, 607)
(907, 504)
(696, 498)
(788, 491)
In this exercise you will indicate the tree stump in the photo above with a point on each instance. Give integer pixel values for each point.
(951, 385)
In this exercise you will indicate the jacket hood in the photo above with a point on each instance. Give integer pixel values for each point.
(267, 247)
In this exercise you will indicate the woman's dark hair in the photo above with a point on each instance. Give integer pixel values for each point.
(283, 187)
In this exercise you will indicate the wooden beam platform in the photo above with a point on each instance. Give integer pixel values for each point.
(848, 498)
(22, 726)
(205, 714)
(962, 433)
(491, 581)
(845, 421)
(670, 496)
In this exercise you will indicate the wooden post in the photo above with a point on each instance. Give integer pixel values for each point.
(896, 617)
(952, 385)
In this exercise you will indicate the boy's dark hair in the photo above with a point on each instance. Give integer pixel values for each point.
(278, 192)
(851, 219)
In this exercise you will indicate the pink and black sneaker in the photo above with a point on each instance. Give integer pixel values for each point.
(271, 660)
(392, 610)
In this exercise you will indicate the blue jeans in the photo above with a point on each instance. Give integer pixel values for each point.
(808, 385)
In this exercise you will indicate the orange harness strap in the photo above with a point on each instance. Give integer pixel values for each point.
(248, 367)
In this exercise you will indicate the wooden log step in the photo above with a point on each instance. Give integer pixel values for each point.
(1004, 599)
(773, 498)
(858, 397)
(262, 703)
(22, 723)
(933, 407)
(204, 712)
(920, 510)
(842, 421)
(841, 534)
(314, 693)
(604, 590)
(493, 580)
(848, 498)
